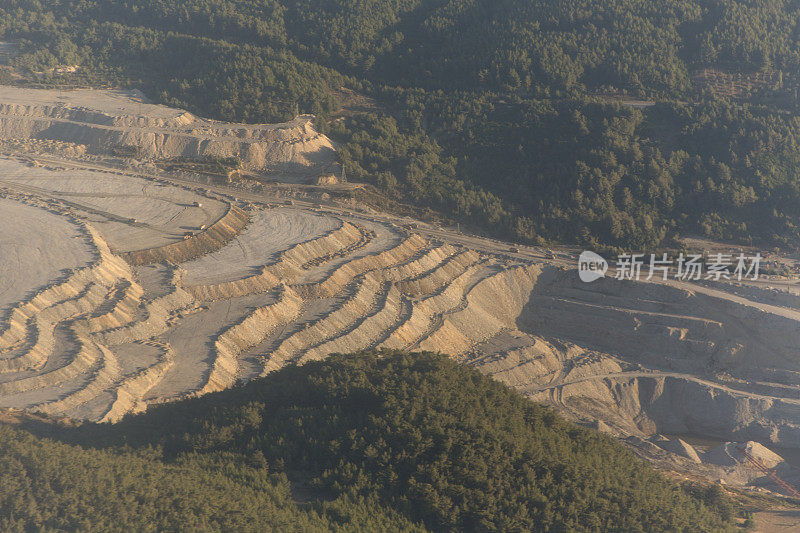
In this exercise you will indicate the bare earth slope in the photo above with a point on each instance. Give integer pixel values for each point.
(124, 289)
(104, 120)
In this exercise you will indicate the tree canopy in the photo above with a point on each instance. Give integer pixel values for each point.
(368, 441)
(512, 115)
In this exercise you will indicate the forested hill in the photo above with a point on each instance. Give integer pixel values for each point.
(362, 442)
(510, 114)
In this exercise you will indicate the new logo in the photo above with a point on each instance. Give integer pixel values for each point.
(591, 266)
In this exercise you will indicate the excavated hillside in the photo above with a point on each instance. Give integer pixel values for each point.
(258, 288)
(105, 121)
(123, 289)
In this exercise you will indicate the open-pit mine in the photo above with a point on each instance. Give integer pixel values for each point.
(125, 284)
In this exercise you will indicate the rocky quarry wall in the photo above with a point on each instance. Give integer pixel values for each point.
(694, 360)
(105, 120)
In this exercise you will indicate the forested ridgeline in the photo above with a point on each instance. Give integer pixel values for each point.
(361, 442)
(508, 114)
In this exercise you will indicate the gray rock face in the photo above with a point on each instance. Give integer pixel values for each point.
(718, 360)
(730, 454)
(680, 447)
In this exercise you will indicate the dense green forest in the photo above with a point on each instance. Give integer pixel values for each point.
(509, 114)
(361, 442)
